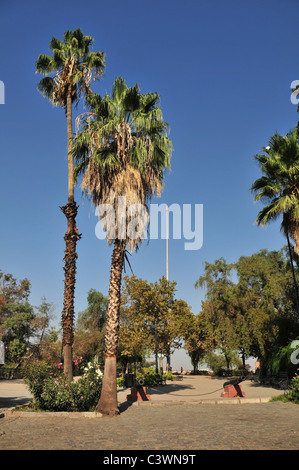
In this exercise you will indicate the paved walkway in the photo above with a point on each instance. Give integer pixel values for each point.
(205, 389)
(187, 415)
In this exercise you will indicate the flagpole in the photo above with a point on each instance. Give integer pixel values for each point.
(167, 236)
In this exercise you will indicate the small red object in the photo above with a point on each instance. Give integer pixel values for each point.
(138, 394)
(232, 391)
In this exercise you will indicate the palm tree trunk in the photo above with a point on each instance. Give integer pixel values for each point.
(108, 401)
(293, 273)
(71, 237)
(70, 161)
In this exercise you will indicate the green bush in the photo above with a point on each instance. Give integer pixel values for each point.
(149, 376)
(120, 380)
(168, 376)
(37, 373)
(61, 395)
(281, 362)
(53, 392)
(294, 392)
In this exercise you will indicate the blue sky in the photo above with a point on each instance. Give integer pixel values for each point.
(223, 70)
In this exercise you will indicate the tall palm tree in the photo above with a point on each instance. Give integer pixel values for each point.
(279, 188)
(279, 185)
(68, 75)
(122, 151)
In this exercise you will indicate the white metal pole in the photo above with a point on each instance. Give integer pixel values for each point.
(167, 236)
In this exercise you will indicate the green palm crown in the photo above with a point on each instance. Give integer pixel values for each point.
(122, 148)
(72, 65)
(278, 188)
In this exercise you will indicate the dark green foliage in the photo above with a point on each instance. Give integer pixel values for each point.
(52, 390)
(282, 361)
(21, 324)
(249, 305)
(72, 65)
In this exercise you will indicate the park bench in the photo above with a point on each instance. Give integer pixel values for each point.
(268, 379)
(283, 381)
(179, 377)
(160, 380)
(254, 377)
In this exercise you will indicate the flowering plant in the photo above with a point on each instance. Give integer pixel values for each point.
(53, 392)
(93, 368)
(36, 373)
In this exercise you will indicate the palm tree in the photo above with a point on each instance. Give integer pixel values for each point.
(68, 75)
(279, 188)
(122, 151)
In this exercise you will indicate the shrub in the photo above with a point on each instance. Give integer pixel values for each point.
(37, 373)
(120, 380)
(168, 376)
(53, 392)
(281, 361)
(294, 392)
(150, 378)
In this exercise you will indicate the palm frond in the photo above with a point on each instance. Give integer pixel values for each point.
(45, 64)
(56, 44)
(127, 148)
(96, 61)
(73, 65)
(46, 87)
(279, 185)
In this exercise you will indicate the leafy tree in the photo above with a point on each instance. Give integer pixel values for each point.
(215, 361)
(22, 326)
(94, 316)
(278, 188)
(18, 330)
(254, 314)
(89, 337)
(12, 290)
(195, 340)
(15, 315)
(279, 185)
(68, 75)
(42, 320)
(134, 339)
(122, 151)
(266, 302)
(218, 308)
(150, 311)
(171, 316)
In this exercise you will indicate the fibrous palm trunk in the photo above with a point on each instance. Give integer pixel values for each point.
(71, 237)
(108, 401)
(293, 274)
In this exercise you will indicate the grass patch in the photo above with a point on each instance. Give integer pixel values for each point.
(283, 397)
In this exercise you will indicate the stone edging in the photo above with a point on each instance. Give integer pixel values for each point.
(216, 401)
(13, 413)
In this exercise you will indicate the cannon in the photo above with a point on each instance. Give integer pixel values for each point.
(138, 390)
(235, 381)
(232, 388)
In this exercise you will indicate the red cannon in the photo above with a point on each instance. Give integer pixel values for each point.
(232, 388)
